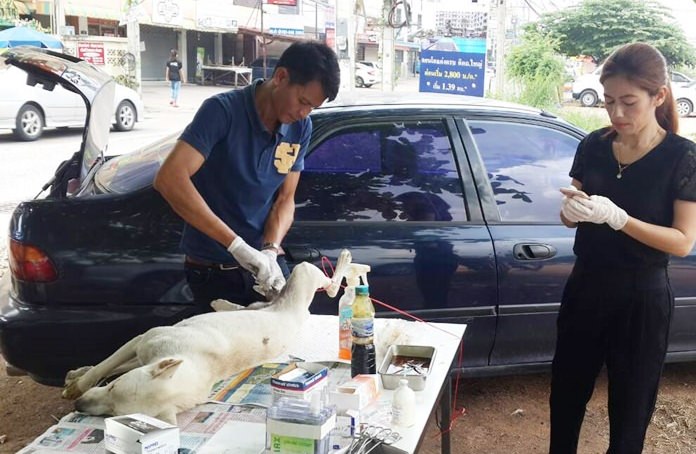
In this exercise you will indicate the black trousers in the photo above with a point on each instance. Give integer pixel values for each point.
(234, 284)
(619, 318)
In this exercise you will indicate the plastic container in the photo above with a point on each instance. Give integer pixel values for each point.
(345, 313)
(295, 425)
(404, 405)
(362, 325)
(356, 272)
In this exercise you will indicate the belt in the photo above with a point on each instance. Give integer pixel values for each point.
(205, 264)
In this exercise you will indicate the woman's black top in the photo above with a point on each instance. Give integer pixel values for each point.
(647, 190)
(174, 70)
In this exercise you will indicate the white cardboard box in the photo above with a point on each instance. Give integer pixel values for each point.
(309, 378)
(355, 394)
(140, 434)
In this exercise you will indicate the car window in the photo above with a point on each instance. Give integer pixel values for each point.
(526, 165)
(136, 170)
(382, 172)
(679, 78)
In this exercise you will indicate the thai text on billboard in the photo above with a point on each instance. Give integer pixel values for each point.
(454, 65)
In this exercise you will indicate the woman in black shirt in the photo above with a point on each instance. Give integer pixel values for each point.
(636, 208)
(174, 74)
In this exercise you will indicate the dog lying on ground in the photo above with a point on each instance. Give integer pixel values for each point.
(170, 369)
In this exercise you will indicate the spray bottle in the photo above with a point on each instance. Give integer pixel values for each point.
(354, 273)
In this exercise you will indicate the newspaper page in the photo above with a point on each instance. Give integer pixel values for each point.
(209, 418)
(250, 387)
(70, 439)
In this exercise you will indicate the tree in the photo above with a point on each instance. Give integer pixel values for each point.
(597, 27)
(9, 17)
(536, 65)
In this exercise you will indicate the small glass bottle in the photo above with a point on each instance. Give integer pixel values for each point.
(403, 405)
(362, 325)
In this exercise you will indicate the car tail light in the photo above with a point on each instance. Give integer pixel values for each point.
(29, 263)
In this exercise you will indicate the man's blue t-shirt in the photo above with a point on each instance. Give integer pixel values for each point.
(244, 166)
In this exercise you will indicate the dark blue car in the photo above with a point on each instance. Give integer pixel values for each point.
(452, 201)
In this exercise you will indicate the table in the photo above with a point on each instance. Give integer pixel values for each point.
(318, 342)
(219, 73)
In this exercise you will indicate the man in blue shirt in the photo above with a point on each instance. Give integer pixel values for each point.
(233, 172)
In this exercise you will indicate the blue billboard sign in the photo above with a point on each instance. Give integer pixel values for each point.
(455, 66)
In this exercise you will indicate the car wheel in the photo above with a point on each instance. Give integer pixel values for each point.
(684, 107)
(589, 98)
(29, 123)
(125, 116)
(359, 82)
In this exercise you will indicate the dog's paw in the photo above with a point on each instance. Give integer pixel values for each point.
(76, 373)
(221, 305)
(72, 391)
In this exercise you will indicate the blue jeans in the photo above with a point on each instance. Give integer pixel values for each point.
(175, 87)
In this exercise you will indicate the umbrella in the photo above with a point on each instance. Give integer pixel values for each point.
(25, 36)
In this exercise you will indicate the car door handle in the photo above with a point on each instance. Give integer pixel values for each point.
(296, 254)
(533, 251)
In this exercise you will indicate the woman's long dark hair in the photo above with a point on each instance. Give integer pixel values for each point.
(646, 67)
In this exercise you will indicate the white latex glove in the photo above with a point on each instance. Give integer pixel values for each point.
(276, 281)
(573, 210)
(602, 210)
(251, 259)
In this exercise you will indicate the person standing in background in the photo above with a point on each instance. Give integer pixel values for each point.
(636, 208)
(174, 74)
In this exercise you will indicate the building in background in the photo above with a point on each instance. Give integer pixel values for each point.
(229, 32)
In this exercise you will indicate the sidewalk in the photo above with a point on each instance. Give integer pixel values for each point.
(155, 94)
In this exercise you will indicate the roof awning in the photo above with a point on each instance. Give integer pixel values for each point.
(93, 11)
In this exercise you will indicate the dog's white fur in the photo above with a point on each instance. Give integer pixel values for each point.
(173, 368)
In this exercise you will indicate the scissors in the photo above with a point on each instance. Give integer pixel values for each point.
(371, 437)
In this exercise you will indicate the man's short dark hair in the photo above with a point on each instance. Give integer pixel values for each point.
(307, 61)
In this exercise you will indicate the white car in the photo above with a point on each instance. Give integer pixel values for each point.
(589, 91)
(27, 109)
(366, 76)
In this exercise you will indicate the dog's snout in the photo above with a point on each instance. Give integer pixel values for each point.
(80, 405)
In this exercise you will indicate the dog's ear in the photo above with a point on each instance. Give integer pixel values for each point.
(166, 368)
(168, 415)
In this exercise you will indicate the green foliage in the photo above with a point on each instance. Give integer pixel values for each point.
(535, 65)
(128, 80)
(585, 118)
(9, 14)
(597, 27)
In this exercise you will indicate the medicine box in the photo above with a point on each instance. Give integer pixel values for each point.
(285, 437)
(140, 434)
(299, 380)
(356, 393)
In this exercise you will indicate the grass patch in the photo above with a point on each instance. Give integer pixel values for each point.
(587, 118)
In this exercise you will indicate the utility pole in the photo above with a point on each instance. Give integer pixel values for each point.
(58, 17)
(345, 42)
(500, 49)
(387, 48)
(133, 32)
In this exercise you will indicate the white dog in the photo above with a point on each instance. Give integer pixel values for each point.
(171, 369)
